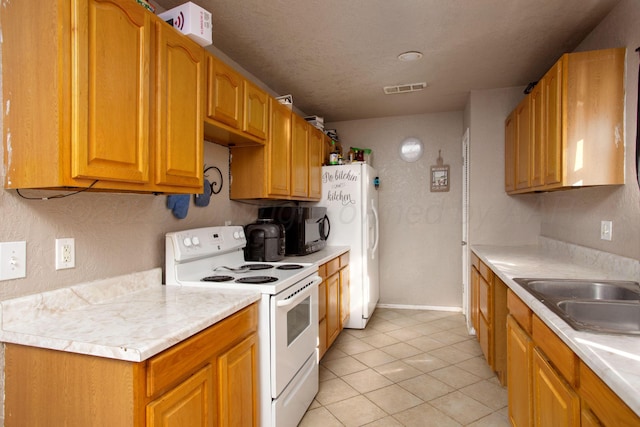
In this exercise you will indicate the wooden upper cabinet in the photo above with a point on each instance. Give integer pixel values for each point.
(299, 157)
(576, 125)
(316, 153)
(279, 150)
(552, 132)
(110, 105)
(224, 93)
(256, 111)
(179, 100)
(116, 93)
(536, 131)
(523, 144)
(510, 140)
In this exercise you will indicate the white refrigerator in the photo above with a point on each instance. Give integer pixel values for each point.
(350, 194)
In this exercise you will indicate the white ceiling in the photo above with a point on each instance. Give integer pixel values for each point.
(335, 56)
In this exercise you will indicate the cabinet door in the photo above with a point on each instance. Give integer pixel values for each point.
(537, 128)
(188, 404)
(523, 136)
(475, 301)
(322, 317)
(299, 157)
(554, 402)
(345, 296)
(224, 93)
(279, 150)
(510, 139)
(519, 354)
(333, 308)
(110, 100)
(179, 119)
(315, 163)
(256, 111)
(237, 385)
(552, 87)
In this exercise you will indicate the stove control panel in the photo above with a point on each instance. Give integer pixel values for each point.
(204, 242)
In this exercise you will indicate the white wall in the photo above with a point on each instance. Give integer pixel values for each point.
(494, 217)
(114, 233)
(420, 231)
(574, 216)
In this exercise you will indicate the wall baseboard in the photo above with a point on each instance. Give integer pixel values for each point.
(420, 307)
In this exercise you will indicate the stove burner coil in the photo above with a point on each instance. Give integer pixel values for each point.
(257, 279)
(257, 266)
(217, 279)
(290, 267)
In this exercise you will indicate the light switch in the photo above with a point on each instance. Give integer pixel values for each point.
(606, 230)
(13, 260)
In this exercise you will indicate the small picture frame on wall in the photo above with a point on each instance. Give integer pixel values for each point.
(440, 176)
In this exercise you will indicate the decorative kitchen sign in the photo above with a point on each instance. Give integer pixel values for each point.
(440, 176)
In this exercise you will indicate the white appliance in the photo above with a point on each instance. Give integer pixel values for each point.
(350, 194)
(288, 312)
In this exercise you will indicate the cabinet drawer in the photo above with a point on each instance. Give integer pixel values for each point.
(519, 311)
(183, 359)
(561, 356)
(333, 266)
(475, 261)
(486, 272)
(322, 271)
(344, 260)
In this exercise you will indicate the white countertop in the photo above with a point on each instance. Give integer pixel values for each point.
(614, 358)
(320, 257)
(130, 317)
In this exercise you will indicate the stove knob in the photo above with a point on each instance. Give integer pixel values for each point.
(236, 235)
(187, 241)
(195, 241)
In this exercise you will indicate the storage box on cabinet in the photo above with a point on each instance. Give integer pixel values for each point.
(568, 132)
(92, 56)
(208, 379)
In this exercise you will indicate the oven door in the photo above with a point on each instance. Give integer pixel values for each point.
(294, 331)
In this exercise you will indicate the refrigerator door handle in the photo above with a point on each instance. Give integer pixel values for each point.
(377, 229)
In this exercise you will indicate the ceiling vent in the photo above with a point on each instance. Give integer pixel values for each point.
(404, 88)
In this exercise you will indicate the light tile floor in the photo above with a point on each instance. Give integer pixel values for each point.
(407, 368)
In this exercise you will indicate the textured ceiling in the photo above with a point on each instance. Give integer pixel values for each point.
(335, 56)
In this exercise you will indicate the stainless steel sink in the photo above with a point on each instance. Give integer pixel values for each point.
(607, 306)
(609, 317)
(582, 289)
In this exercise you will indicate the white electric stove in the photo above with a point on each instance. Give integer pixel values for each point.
(288, 320)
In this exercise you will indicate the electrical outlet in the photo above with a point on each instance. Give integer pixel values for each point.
(606, 230)
(65, 253)
(13, 260)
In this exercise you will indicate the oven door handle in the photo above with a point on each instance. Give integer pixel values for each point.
(301, 296)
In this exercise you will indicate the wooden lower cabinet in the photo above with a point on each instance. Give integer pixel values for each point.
(554, 401)
(209, 379)
(190, 403)
(548, 385)
(519, 390)
(488, 315)
(333, 306)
